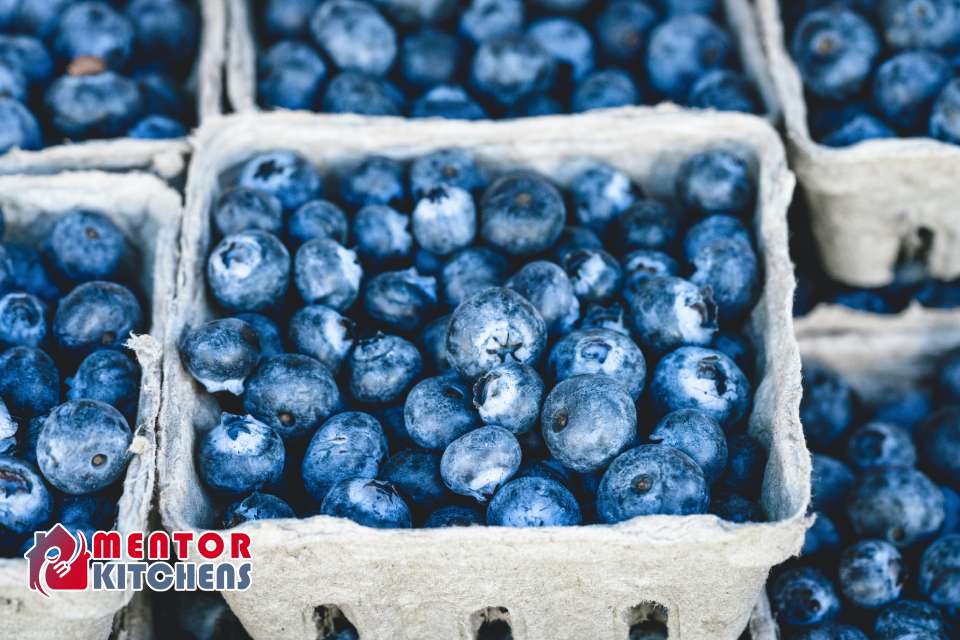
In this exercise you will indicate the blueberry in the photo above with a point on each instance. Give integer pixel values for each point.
(510, 68)
(478, 463)
(454, 516)
(286, 175)
(710, 230)
(905, 87)
(348, 445)
(28, 56)
(737, 347)
(352, 92)
(429, 57)
(903, 617)
(948, 379)
(575, 237)
(896, 504)
(587, 421)
(723, 90)
(697, 435)
(409, 12)
(827, 406)
(446, 168)
(96, 314)
(20, 129)
(109, 376)
(716, 182)
(220, 354)
(644, 264)
(533, 502)
(623, 27)
(681, 50)
(102, 105)
(568, 42)
(355, 36)
(256, 506)
(290, 75)
(327, 273)
(878, 444)
(746, 461)
(728, 268)
(835, 50)
(652, 479)
(29, 381)
(433, 342)
(374, 180)
(870, 573)
(25, 503)
(447, 101)
(539, 104)
(416, 474)
(438, 410)
(165, 30)
(382, 368)
(821, 537)
(940, 444)
(288, 18)
(940, 571)
(470, 271)
(803, 597)
(951, 510)
(509, 395)
(857, 129)
(610, 317)
(594, 273)
(85, 245)
(88, 511)
(23, 320)
(382, 234)
(268, 333)
(494, 326)
(706, 7)
(704, 379)
(94, 30)
(445, 220)
(831, 482)
(486, 19)
(921, 24)
(605, 89)
(400, 300)
(83, 446)
(240, 455)
(291, 393)
(669, 312)
(371, 503)
(249, 271)
(945, 117)
(157, 127)
(318, 219)
(162, 94)
(391, 418)
(599, 351)
(733, 507)
(647, 224)
(601, 194)
(322, 333)
(547, 287)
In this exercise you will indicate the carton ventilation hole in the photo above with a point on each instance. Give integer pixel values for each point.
(492, 623)
(915, 252)
(330, 622)
(648, 621)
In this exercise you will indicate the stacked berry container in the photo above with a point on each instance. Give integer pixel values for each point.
(111, 86)
(699, 575)
(874, 197)
(147, 214)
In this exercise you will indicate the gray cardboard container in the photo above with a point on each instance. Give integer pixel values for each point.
(877, 354)
(556, 583)
(241, 73)
(871, 201)
(165, 158)
(148, 212)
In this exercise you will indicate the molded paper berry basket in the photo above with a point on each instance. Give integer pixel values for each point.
(165, 158)
(242, 50)
(875, 200)
(832, 319)
(557, 583)
(148, 212)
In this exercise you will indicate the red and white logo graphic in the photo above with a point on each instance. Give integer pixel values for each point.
(58, 561)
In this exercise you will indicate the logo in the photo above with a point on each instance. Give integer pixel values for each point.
(183, 561)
